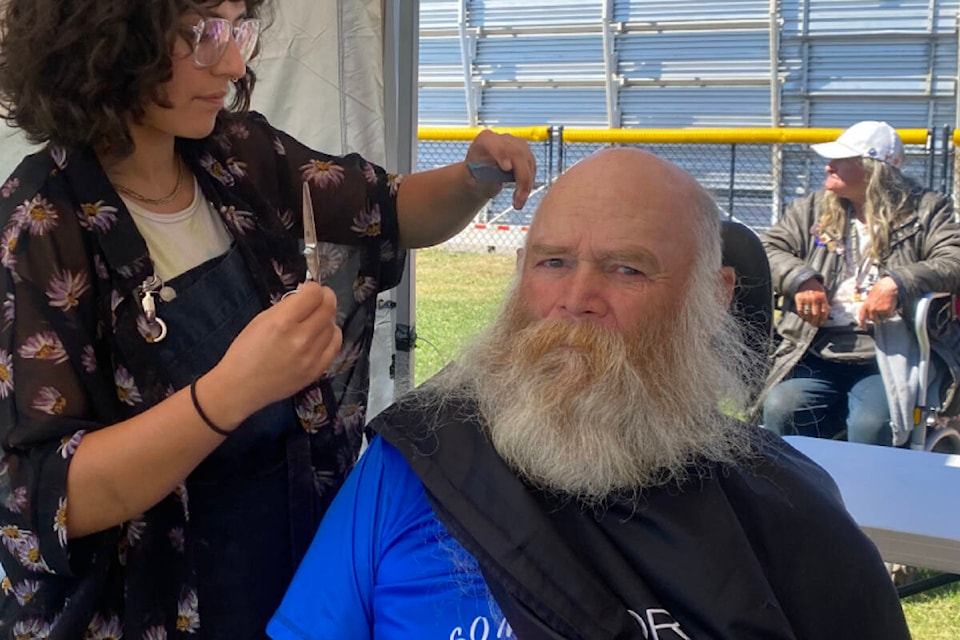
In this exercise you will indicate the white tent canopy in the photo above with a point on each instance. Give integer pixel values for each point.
(326, 72)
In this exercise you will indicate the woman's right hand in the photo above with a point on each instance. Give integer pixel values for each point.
(281, 351)
(811, 302)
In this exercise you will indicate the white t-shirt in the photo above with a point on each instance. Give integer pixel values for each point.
(180, 241)
(858, 277)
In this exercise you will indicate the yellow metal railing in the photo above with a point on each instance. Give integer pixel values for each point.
(742, 166)
(466, 134)
(721, 136)
(665, 136)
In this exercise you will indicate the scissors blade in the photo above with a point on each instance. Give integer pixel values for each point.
(310, 236)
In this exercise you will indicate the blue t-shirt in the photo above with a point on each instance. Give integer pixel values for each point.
(382, 566)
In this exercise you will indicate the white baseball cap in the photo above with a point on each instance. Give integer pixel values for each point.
(867, 139)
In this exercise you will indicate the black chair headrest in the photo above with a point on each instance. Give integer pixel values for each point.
(753, 295)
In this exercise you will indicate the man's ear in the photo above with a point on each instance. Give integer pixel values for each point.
(728, 277)
(520, 259)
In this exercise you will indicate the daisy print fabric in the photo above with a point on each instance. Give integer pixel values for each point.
(74, 358)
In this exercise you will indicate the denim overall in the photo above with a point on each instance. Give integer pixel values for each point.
(239, 497)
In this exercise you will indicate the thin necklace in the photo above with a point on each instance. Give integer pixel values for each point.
(144, 199)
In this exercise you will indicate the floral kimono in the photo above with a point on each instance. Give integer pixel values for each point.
(76, 355)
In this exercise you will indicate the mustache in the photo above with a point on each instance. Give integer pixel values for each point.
(564, 357)
(593, 350)
(543, 338)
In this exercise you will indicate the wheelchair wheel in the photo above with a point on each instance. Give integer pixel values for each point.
(943, 440)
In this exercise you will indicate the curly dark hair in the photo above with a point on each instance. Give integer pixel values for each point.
(73, 72)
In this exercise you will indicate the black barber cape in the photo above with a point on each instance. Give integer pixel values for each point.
(763, 551)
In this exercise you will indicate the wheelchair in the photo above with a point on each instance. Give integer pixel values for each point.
(935, 424)
(937, 428)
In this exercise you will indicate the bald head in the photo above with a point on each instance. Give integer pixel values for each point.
(617, 238)
(623, 184)
(635, 171)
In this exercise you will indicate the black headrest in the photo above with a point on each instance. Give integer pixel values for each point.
(753, 296)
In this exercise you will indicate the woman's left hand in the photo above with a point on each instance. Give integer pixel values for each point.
(881, 302)
(510, 153)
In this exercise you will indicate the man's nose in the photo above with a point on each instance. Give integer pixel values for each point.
(584, 295)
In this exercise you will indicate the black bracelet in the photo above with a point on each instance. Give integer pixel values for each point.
(203, 416)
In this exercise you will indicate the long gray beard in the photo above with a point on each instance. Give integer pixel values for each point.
(588, 412)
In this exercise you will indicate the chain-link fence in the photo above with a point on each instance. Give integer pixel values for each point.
(752, 173)
(498, 227)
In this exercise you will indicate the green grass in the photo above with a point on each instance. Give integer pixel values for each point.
(458, 293)
(935, 614)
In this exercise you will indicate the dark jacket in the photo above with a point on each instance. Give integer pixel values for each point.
(924, 256)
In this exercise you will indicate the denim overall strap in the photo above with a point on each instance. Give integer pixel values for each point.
(241, 520)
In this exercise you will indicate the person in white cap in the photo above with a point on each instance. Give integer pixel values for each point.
(855, 253)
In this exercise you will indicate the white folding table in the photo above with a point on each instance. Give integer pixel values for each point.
(907, 502)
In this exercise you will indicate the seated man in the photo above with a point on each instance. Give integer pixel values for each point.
(572, 475)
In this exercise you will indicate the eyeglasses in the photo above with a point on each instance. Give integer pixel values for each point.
(213, 37)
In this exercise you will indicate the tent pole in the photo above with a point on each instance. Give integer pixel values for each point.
(401, 51)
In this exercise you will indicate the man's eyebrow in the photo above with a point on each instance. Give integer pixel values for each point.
(634, 256)
(549, 249)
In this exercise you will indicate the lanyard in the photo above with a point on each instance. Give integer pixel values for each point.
(860, 263)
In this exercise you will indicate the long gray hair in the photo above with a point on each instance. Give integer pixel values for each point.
(891, 196)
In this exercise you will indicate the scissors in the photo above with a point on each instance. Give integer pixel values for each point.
(310, 237)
